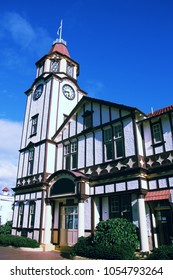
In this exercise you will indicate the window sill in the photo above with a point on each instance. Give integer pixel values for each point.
(158, 144)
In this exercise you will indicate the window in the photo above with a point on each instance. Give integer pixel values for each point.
(31, 161)
(108, 144)
(69, 69)
(157, 135)
(34, 125)
(118, 141)
(21, 212)
(120, 207)
(71, 218)
(114, 144)
(55, 66)
(88, 120)
(32, 214)
(70, 155)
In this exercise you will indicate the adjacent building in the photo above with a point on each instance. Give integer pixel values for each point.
(6, 206)
(83, 160)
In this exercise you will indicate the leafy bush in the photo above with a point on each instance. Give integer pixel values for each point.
(6, 228)
(86, 247)
(114, 239)
(116, 232)
(164, 252)
(17, 241)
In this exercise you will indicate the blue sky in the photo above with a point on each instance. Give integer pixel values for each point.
(124, 48)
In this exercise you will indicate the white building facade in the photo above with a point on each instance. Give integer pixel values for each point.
(83, 160)
(6, 206)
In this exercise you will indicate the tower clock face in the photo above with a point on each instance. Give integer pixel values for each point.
(38, 92)
(68, 92)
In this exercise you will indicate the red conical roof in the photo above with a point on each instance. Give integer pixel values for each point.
(61, 48)
(5, 189)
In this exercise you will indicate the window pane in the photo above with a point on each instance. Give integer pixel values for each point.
(109, 152)
(107, 135)
(74, 160)
(67, 149)
(73, 147)
(67, 162)
(119, 148)
(88, 121)
(118, 131)
(157, 133)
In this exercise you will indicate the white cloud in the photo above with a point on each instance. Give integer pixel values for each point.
(9, 145)
(24, 36)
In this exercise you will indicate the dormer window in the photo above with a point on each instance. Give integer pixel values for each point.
(157, 135)
(88, 120)
(69, 69)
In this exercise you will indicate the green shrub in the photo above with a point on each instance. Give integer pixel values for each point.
(6, 228)
(86, 247)
(17, 241)
(116, 232)
(164, 252)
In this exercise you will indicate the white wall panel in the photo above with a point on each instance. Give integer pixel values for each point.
(115, 113)
(152, 184)
(147, 138)
(37, 213)
(98, 147)
(105, 208)
(59, 157)
(79, 123)
(25, 216)
(96, 114)
(41, 158)
(51, 158)
(129, 138)
(105, 114)
(72, 127)
(81, 152)
(87, 214)
(167, 135)
(89, 150)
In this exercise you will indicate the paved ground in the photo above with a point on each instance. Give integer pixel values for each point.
(10, 253)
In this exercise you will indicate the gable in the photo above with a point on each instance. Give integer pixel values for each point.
(101, 112)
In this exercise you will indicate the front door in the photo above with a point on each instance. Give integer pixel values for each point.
(164, 226)
(69, 225)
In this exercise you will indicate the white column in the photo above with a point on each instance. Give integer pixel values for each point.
(81, 218)
(143, 224)
(47, 227)
(154, 229)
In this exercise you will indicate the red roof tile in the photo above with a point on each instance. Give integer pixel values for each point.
(161, 111)
(157, 195)
(61, 48)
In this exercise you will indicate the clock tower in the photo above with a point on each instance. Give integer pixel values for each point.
(50, 99)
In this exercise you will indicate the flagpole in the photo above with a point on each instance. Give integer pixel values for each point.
(60, 33)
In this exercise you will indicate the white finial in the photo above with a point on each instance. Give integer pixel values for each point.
(59, 33)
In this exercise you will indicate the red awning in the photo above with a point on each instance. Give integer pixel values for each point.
(157, 195)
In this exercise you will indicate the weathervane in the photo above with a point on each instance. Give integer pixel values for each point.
(59, 33)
